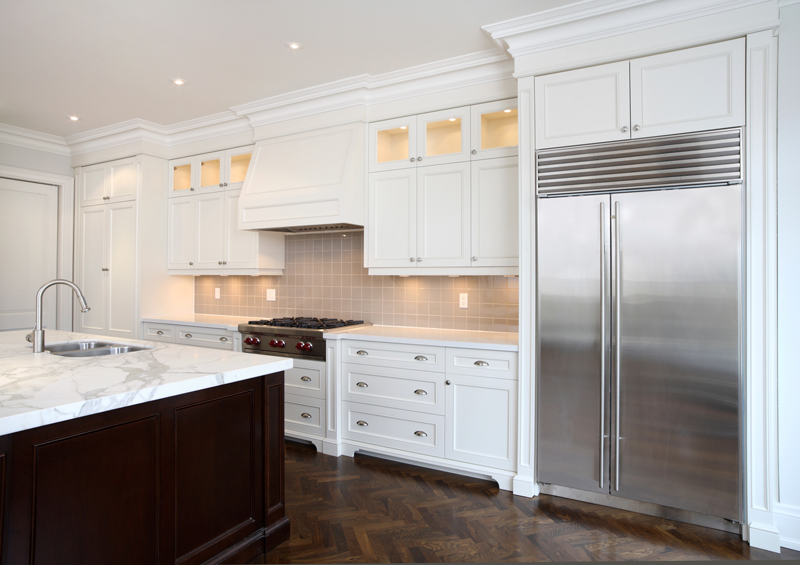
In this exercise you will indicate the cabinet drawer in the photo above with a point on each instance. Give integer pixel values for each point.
(420, 357)
(420, 391)
(399, 429)
(482, 362)
(305, 415)
(306, 378)
(158, 332)
(203, 337)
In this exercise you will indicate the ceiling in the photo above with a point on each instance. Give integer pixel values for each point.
(112, 61)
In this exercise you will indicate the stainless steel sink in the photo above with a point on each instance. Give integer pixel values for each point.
(91, 348)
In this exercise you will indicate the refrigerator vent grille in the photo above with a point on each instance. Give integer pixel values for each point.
(710, 157)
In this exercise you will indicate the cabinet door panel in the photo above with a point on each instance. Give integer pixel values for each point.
(495, 129)
(495, 212)
(443, 215)
(92, 278)
(237, 161)
(92, 185)
(123, 177)
(481, 421)
(181, 233)
(121, 264)
(209, 230)
(443, 137)
(393, 144)
(210, 171)
(583, 106)
(690, 90)
(182, 175)
(241, 247)
(392, 232)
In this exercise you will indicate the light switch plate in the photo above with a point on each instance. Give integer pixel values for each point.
(216, 293)
(463, 300)
(270, 295)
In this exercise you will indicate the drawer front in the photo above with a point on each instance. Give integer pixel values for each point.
(303, 414)
(419, 357)
(421, 391)
(203, 337)
(158, 332)
(399, 429)
(306, 378)
(482, 363)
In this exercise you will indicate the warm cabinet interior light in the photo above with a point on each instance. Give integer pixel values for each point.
(507, 111)
(403, 127)
(293, 45)
(178, 81)
(74, 118)
(452, 119)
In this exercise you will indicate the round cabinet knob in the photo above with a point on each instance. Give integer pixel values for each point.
(307, 347)
(299, 345)
(305, 415)
(447, 382)
(474, 258)
(419, 158)
(226, 184)
(412, 159)
(219, 262)
(281, 343)
(224, 262)
(411, 259)
(624, 129)
(191, 188)
(419, 259)
(305, 379)
(220, 185)
(273, 343)
(636, 128)
(474, 151)
(191, 263)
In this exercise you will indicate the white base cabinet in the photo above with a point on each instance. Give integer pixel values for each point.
(198, 336)
(305, 401)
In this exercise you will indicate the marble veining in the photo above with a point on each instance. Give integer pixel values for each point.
(41, 389)
(498, 341)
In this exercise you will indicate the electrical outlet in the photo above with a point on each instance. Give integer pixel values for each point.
(216, 293)
(463, 300)
(271, 295)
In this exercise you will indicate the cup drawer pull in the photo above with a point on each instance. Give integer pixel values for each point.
(361, 352)
(420, 392)
(189, 336)
(305, 378)
(420, 358)
(481, 363)
(362, 385)
(305, 415)
(223, 339)
(159, 332)
(362, 423)
(420, 434)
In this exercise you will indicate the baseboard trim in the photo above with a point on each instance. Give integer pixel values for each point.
(764, 536)
(524, 486)
(787, 521)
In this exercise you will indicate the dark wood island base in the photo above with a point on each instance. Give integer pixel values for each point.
(194, 478)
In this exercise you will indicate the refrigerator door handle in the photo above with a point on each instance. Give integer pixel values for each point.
(602, 337)
(618, 320)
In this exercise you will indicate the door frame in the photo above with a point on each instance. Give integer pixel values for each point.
(66, 222)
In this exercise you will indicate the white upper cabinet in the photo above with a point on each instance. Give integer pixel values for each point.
(691, 90)
(108, 182)
(695, 89)
(495, 212)
(457, 135)
(209, 230)
(582, 106)
(443, 215)
(210, 172)
(443, 137)
(495, 129)
(391, 235)
(181, 245)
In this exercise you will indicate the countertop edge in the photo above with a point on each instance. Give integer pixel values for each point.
(211, 325)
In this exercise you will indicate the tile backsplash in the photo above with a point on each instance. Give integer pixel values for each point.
(325, 277)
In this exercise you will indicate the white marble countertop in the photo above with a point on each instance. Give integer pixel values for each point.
(41, 389)
(229, 323)
(498, 341)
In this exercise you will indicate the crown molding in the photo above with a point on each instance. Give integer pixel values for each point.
(590, 20)
(31, 139)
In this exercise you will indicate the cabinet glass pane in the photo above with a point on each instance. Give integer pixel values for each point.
(442, 138)
(209, 172)
(182, 177)
(393, 144)
(499, 129)
(239, 164)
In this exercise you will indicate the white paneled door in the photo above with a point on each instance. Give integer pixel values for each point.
(28, 252)
(392, 239)
(443, 215)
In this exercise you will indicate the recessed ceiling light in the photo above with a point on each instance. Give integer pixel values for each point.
(74, 118)
(506, 111)
(178, 81)
(293, 45)
(452, 119)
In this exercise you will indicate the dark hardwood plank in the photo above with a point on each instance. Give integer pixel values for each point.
(369, 510)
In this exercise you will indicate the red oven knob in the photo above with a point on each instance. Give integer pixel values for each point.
(307, 347)
(248, 340)
(299, 345)
(273, 343)
(255, 341)
(281, 343)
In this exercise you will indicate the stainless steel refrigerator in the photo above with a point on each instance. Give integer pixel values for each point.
(639, 322)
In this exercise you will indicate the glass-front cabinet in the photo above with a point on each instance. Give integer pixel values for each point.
(466, 133)
(210, 172)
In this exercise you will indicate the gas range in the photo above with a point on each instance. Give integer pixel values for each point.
(300, 338)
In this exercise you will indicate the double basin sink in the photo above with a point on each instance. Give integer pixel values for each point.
(91, 348)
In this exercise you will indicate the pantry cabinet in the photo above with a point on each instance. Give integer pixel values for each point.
(683, 91)
(107, 183)
(210, 172)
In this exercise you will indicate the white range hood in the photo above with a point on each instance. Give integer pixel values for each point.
(307, 182)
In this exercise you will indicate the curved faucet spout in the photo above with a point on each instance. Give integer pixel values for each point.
(38, 331)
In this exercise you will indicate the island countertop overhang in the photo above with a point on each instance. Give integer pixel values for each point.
(41, 389)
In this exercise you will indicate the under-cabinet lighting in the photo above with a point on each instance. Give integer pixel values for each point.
(293, 45)
(403, 276)
(507, 111)
(74, 118)
(453, 276)
(178, 81)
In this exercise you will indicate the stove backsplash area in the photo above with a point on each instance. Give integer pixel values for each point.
(325, 277)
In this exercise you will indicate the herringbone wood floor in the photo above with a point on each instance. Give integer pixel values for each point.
(370, 510)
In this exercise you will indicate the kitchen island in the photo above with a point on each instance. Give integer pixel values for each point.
(172, 454)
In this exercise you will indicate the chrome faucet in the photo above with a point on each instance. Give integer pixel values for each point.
(38, 331)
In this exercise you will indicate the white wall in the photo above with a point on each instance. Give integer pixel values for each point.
(788, 509)
(35, 160)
